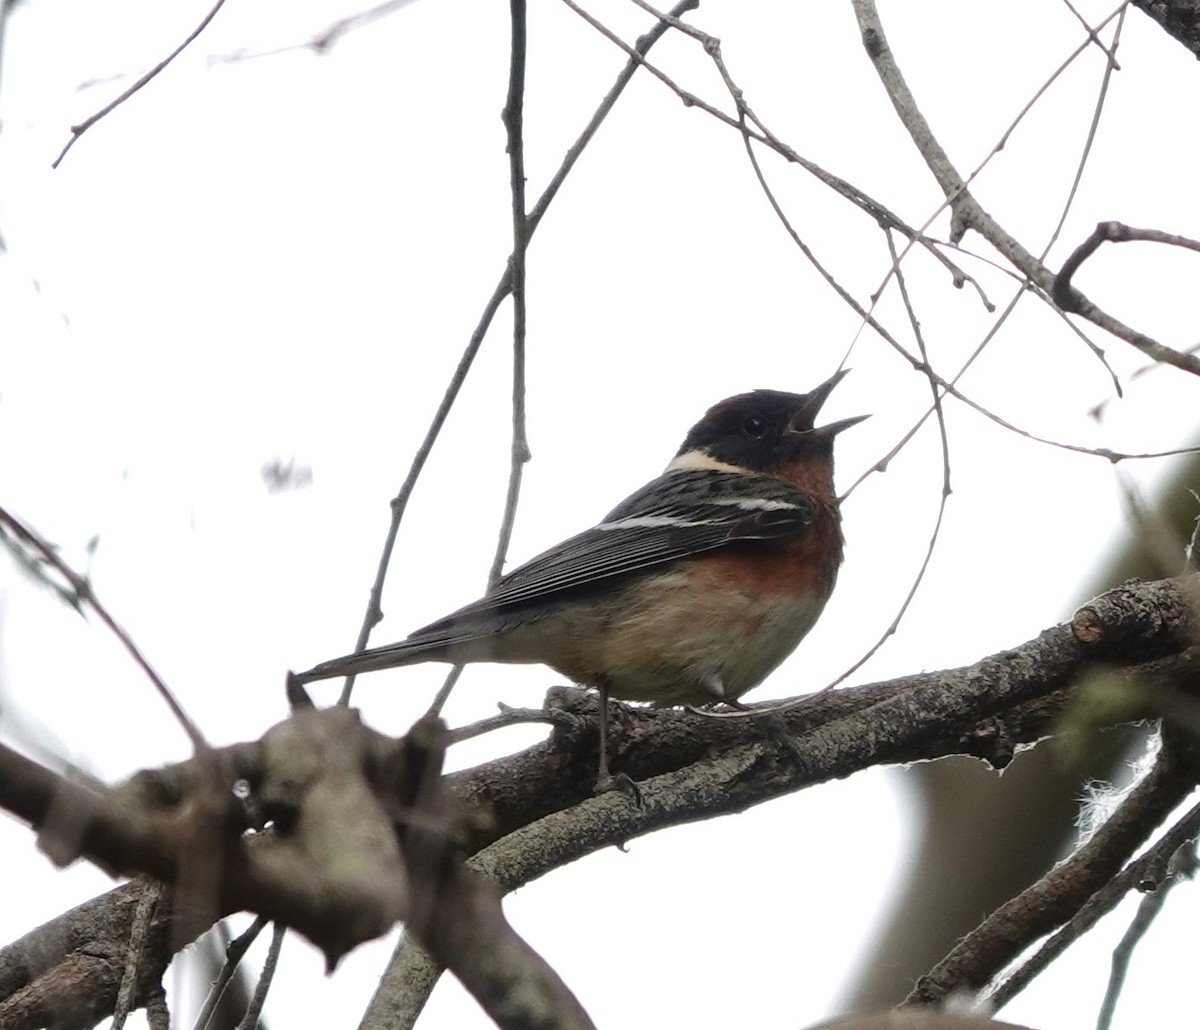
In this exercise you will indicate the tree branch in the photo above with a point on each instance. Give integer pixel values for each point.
(1062, 892)
(338, 793)
(1179, 18)
(362, 832)
(83, 126)
(969, 214)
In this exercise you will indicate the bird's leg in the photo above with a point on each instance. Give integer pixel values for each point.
(605, 781)
(602, 775)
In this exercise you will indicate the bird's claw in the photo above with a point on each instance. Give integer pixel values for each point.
(607, 782)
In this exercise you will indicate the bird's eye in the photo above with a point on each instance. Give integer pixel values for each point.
(755, 425)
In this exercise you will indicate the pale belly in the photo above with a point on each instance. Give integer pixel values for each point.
(680, 641)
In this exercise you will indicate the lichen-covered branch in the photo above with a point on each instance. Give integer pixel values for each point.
(364, 830)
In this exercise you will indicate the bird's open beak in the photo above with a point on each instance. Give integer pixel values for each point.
(836, 427)
(806, 417)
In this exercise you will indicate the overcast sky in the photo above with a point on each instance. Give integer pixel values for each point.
(269, 255)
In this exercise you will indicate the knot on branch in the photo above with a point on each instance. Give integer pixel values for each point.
(873, 43)
(1140, 620)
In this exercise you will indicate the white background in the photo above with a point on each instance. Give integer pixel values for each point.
(280, 257)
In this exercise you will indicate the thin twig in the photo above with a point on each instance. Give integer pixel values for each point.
(143, 914)
(512, 717)
(713, 49)
(514, 126)
(764, 136)
(393, 996)
(85, 595)
(1096, 411)
(235, 951)
(79, 129)
(443, 694)
(906, 107)
(6, 9)
(400, 502)
(1070, 299)
(946, 488)
(259, 999)
(967, 212)
(1182, 865)
(1093, 34)
(869, 205)
(1110, 65)
(325, 41)
(919, 130)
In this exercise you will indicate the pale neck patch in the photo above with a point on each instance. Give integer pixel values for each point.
(699, 459)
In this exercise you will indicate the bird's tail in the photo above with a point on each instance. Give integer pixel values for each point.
(431, 648)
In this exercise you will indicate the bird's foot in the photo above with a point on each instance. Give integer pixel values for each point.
(606, 782)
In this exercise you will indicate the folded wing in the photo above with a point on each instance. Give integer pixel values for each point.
(679, 514)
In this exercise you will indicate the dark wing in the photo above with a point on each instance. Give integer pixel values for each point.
(679, 514)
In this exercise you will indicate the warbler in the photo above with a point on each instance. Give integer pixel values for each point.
(690, 591)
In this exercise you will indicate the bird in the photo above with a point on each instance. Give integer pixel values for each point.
(691, 591)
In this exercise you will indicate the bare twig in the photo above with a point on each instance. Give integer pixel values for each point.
(85, 595)
(6, 8)
(325, 41)
(266, 978)
(514, 127)
(1181, 866)
(235, 951)
(894, 625)
(885, 218)
(1110, 65)
(877, 211)
(1093, 36)
(1066, 296)
(138, 934)
(400, 502)
(967, 212)
(513, 717)
(713, 49)
(79, 129)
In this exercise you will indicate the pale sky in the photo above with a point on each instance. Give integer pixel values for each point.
(282, 256)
